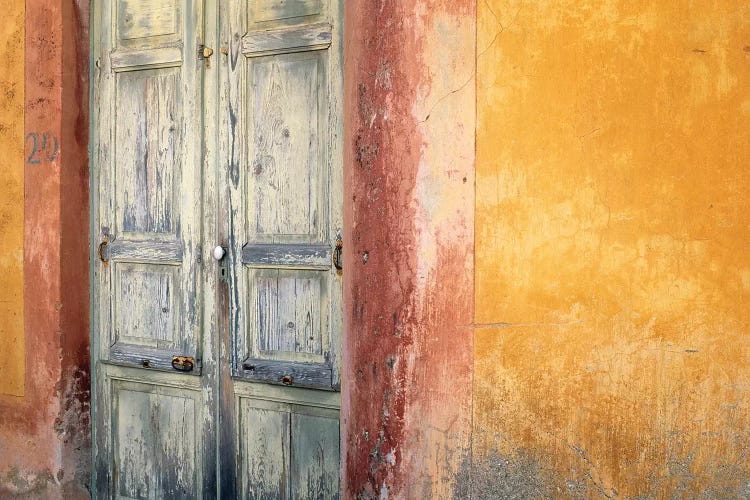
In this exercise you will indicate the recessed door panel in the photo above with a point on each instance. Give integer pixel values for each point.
(288, 450)
(147, 23)
(315, 456)
(148, 150)
(265, 12)
(286, 183)
(155, 442)
(146, 305)
(265, 452)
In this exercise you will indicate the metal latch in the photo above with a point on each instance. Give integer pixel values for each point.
(337, 260)
(205, 54)
(103, 255)
(183, 363)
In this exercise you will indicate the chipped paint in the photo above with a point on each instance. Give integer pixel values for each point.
(611, 292)
(49, 426)
(408, 295)
(12, 342)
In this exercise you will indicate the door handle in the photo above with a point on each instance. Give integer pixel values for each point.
(218, 253)
(337, 260)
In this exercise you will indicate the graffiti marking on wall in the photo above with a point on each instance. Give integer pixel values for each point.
(44, 148)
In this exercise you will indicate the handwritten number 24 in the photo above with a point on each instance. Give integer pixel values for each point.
(45, 149)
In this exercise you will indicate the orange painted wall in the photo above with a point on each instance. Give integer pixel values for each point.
(12, 342)
(612, 233)
(45, 431)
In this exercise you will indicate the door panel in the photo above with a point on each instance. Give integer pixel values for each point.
(284, 188)
(150, 213)
(282, 89)
(236, 361)
(155, 441)
(148, 301)
(287, 450)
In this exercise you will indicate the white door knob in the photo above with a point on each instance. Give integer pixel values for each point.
(219, 252)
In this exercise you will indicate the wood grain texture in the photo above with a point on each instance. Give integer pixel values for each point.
(315, 457)
(167, 252)
(152, 358)
(313, 375)
(264, 452)
(146, 18)
(128, 60)
(276, 10)
(289, 255)
(148, 141)
(156, 448)
(313, 36)
(285, 181)
(288, 309)
(146, 305)
(288, 450)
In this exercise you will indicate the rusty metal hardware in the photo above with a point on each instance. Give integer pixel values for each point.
(103, 250)
(287, 380)
(337, 260)
(205, 54)
(183, 363)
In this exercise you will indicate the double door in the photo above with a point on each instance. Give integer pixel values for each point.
(217, 233)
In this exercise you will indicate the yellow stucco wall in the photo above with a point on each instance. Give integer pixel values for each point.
(612, 350)
(11, 198)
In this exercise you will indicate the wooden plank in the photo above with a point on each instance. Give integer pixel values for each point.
(264, 445)
(151, 358)
(162, 252)
(285, 185)
(282, 328)
(145, 305)
(307, 37)
(273, 372)
(273, 10)
(175, 472)
(267, 310)
(287, 255)
(131, 60)
(315, 457)
(135, 458)
(148, 142)
(146, 18)
(308, 334)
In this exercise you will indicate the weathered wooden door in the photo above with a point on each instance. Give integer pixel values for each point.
(216, 262)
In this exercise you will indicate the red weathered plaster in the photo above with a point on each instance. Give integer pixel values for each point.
(48, 428)
(408, 280)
